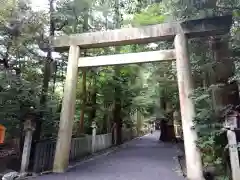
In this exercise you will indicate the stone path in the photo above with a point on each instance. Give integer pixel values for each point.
(144, 158)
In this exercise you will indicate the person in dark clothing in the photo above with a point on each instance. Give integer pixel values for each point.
(171, 132)
(164, 130)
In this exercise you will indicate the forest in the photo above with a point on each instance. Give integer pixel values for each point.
(32, 80)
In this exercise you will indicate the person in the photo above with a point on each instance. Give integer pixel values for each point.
(164, 130)
(170, 127)
(151, 130)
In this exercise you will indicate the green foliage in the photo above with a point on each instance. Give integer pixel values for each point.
(151, 15)
(140, 87)
(211, 137)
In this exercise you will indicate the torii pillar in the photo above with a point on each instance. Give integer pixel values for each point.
(185, 86)
(67, 114)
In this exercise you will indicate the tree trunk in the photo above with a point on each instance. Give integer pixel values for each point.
(118, 120)
(46, 77)
(84, 96)
(93, 98)
(92, 102)
(117, 100)
(84, 72)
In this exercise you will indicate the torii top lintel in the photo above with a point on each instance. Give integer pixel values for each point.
(218, 25)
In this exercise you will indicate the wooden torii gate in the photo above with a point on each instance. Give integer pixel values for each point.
(180, 31)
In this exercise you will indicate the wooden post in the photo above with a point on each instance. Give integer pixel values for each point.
(67, 113)
(29, 127)
(94, 132)
(26, 151)
(185, 86)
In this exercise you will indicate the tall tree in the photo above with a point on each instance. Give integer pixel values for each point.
(84, 70)
(117, 78)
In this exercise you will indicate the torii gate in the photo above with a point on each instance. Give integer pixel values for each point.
(180, 31)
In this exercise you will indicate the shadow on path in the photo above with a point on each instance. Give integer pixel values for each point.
(144, 158)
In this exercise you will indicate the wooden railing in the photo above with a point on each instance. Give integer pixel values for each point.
(80, 147)
(44, 156)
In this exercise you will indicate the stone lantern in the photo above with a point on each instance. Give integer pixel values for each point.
(29, 128)
(177, 124)
(232, 121)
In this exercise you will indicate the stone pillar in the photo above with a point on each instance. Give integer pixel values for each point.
(94, 133)
(67, 114)
(29, 127)
(231, 123)
(224, 93)
(177, 124)
(185, 86)
(233, 153)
